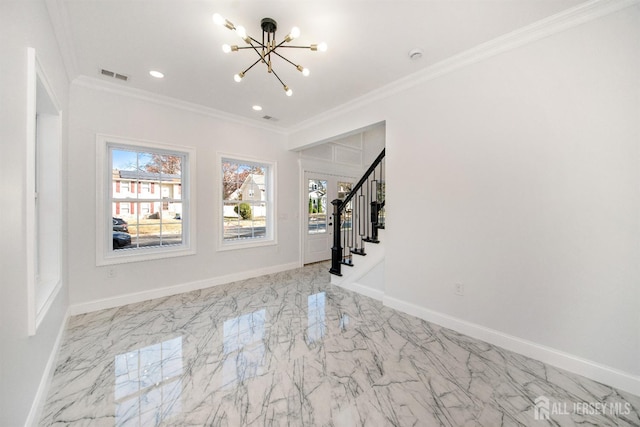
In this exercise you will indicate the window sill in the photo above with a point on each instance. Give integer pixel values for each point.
(129, 255)
(231, 246)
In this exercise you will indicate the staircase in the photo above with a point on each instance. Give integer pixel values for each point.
(357, 228)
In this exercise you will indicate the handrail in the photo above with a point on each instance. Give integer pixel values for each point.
(364, 178)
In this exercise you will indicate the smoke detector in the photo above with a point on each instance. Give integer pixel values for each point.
(415, 54)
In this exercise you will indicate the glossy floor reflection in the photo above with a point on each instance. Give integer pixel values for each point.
(290, 349)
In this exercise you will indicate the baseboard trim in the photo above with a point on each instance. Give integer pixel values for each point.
(587, 368)
(363, 290)
(47, 376)
(120, 300)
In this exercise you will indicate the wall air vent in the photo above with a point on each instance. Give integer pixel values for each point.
(273, 119)
(118, 76)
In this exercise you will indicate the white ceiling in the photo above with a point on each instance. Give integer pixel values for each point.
(368, 41)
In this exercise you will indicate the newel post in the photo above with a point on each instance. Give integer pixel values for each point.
(336, 250)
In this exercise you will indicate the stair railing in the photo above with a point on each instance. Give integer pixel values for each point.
(358, 217)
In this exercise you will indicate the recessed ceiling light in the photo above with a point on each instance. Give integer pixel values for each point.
(156, 74)
(257, 108)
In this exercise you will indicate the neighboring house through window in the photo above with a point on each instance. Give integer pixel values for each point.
(247, 202)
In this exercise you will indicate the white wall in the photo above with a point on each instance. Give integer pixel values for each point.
(98, 111)
(529, 196)
(374, 143)
(346, 153)
(23, 359)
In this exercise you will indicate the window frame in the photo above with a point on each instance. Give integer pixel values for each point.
(105, 255)
(271, 234)
(44, 194)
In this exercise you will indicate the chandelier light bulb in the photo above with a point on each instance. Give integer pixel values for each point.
(218, 19)
(288, 91)
(226, 48)
(221, 20)
(294, 34)
(238, 77)
(303, 70)
(241, 31)
(322, 47)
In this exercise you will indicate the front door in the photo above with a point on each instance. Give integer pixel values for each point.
(318, 228)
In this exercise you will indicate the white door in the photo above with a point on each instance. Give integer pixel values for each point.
(318, 227)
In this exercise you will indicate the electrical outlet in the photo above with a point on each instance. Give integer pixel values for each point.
(111, 272)
(459, 289)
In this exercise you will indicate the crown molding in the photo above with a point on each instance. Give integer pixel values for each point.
(167, 101)
(62, 30)
(546, 27)
(554, 24)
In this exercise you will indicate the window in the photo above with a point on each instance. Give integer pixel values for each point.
(43, 194)
(247, 202)
(135, 220)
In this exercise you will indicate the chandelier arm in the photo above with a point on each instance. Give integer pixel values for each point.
(255, 48)
(277, 77)
(280, 44)
(290, 62)
(294, 47)
(252, 65)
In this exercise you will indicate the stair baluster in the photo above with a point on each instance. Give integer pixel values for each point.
(358, 217)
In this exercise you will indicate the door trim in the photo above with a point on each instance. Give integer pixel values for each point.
(347, 173)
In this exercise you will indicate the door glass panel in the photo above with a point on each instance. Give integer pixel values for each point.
(317, 217)
(344, 188)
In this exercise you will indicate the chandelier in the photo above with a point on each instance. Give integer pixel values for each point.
(267, 47)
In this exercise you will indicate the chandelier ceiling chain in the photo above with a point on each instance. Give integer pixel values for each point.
(266, 47)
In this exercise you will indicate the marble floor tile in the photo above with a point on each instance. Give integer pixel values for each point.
(290, 349)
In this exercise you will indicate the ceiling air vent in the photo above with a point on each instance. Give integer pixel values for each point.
(114, 75)
(273, 119)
